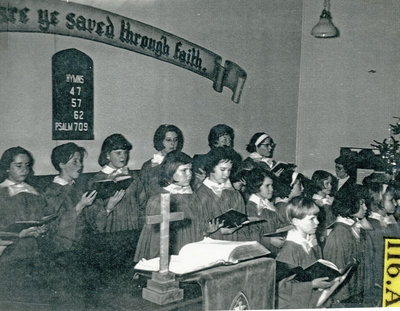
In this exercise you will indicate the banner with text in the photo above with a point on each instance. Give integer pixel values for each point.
(76, 20)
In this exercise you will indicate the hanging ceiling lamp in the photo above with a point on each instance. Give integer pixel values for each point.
(325, 27)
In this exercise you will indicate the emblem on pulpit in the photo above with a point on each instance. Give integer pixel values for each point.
(240, 302)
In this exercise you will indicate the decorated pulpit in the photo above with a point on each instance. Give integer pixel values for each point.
(225, 275)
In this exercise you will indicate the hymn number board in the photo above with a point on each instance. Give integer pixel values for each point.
(72, 95)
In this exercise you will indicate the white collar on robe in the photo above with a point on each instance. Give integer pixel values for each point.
(342, 181)
(14, 188)
(215, 187)
(325, 200)
(61, 181)
(307, 244)
(262, 203)
(157, 158)
(108, 170)
(383, 220)
(259, 158)
(175, 189)
(355, 226)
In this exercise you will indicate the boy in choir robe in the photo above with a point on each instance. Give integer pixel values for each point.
(116, 222)
(175, 177)
(261, 189)
(346, 244)
(217, 194)
(167, 138)
(300, 250)
(220, 135)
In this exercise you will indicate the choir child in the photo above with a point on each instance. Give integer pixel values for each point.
(288, 185)
(300, 250)
(67, 234)
(321, 192)
(118, 219)
(19, 201)
(175, 177)
(382, 206)
(67, 197)
(21, 264)
(261, 148)
(167, 138)
(260, 205)
(346, 243)
(217, 194)
(220, 135)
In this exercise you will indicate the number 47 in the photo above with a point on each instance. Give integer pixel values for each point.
(72, 92)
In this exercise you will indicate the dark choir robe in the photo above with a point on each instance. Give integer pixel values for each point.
(21, 264)
(213, 205)
(115, 235)
(256, 231)
(281, 205)
(67, 230)
(291, 293)
(149, 175)
(22, 206)
(181, 232)
(342, 245)
(325, 216)
(374, 253)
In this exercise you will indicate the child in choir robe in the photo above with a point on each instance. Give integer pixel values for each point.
(261, 148)
(382, 206)
(320, 190)
(175, 177)
(21, 264)
(19, 201)
(117, 221)
(167, 138)
(346, 243)
(216, 193)
(261, 189)
(300, 250)
(68, 198)
(67, 233)
(288, 185)
(220, 135)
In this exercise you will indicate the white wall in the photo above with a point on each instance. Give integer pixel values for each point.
(342, 103)
(133, 93)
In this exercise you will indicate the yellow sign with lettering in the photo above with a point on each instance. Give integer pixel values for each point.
(391, 273)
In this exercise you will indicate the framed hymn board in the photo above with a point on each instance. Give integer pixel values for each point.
(72, 75)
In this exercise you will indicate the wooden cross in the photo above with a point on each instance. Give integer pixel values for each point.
(164, 219)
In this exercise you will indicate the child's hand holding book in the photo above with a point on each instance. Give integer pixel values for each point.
(86, 200)
(114, 200)
(321, 283)
(33, 232)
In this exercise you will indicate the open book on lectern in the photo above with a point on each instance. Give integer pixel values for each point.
(206, 254)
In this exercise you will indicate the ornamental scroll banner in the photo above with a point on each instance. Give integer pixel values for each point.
(76, 20)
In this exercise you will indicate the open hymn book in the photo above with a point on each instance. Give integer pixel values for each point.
(206, 254)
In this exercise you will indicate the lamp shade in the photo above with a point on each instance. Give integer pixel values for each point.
(325, 27)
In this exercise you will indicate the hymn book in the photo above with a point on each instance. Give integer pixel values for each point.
(206, 254)
(234, 219)
(322, 268)
(280, 232)
(280, 166)
(15, 228)
(106, 188)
